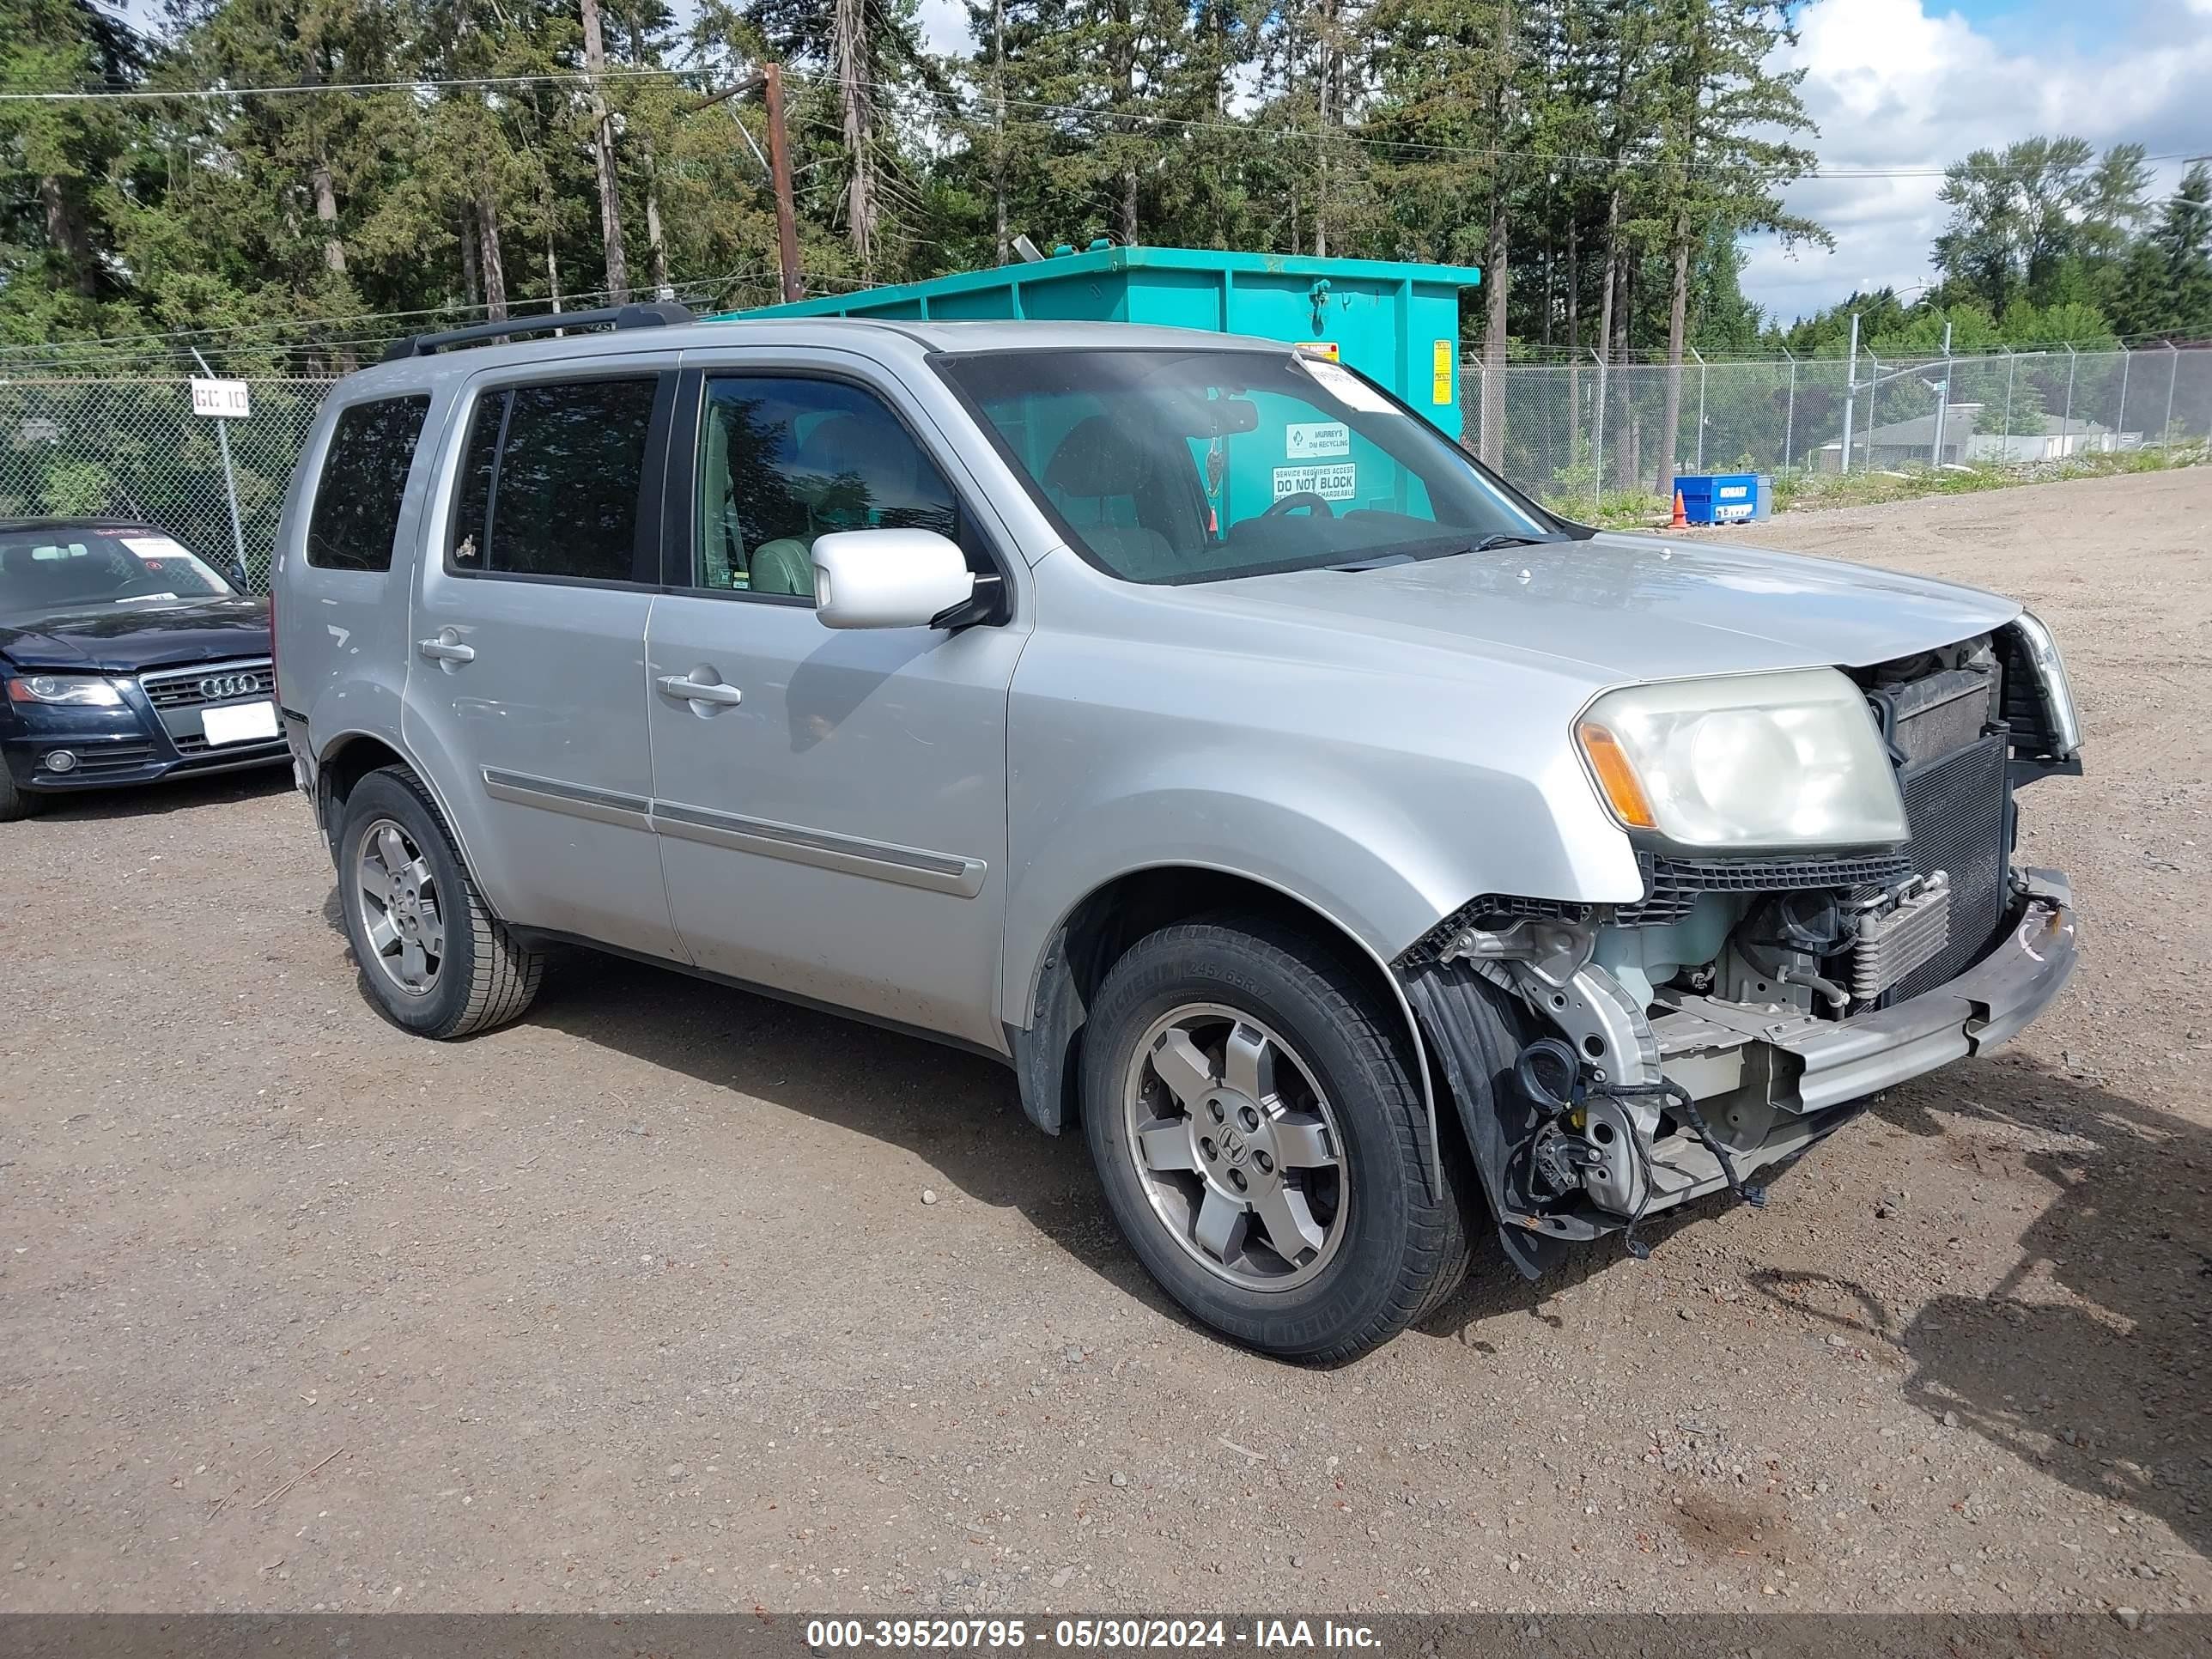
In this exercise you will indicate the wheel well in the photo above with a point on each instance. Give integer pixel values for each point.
(353, 759)
(1103, 927)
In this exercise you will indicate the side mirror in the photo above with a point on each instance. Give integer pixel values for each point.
(888, 578)
(237, 578)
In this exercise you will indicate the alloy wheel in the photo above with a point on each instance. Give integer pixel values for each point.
(397, 896)
(1236, 1147)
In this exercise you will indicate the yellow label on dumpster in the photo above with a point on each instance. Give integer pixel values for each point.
(1441, 370)
(1319, 348)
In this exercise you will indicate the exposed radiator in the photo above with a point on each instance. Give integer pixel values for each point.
(1956, 807)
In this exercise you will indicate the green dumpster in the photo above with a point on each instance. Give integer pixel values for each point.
(1397, 324)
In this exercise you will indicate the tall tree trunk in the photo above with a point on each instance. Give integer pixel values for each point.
(1125, 98)
(1574, 281)
(1677, 305)
(849, 49)
(67, 235)
(1496, 281)
(495, 265)
(1324, 43)
(656, 243)
(603, 159)
(552, 262)
(999, 141)
(471, 241)
(326, 210)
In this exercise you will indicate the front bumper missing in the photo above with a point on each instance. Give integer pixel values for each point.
(1772, 1084)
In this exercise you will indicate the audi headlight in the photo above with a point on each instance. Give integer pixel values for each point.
(84, 689)
(1755, 761)
(2057, 692)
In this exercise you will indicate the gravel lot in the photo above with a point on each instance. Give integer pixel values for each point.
(645, 1304)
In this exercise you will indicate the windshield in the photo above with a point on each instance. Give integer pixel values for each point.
(1193, 465)
(45, 571)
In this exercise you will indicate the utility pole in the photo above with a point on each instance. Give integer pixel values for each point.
(1850, 391)
(1942, 399)
(779, 166)
(770, 83)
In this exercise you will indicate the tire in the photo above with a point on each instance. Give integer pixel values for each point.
(478, 977)
(1370, 1241)
(14, 802)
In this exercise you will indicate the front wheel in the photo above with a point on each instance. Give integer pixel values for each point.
(1260, 1140)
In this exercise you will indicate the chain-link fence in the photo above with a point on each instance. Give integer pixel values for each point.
(1577, 433)
(79, 448)
(1585, 435)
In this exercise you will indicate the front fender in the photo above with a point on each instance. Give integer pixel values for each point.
(1363, 869)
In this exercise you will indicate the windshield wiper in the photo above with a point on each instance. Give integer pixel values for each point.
(1374, 561)
(1492, 543)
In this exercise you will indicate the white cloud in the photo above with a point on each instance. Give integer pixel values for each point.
(1892, 86)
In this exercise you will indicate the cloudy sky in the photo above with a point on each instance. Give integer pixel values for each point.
(1898, 84)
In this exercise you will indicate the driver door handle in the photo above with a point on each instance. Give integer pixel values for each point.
(684, 688)
(441, 649)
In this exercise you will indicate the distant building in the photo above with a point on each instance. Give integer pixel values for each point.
(1903, 441)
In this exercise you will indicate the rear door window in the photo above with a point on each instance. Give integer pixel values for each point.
(553, 483)
(364, 485)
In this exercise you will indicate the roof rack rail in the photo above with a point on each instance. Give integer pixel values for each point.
(658, 314)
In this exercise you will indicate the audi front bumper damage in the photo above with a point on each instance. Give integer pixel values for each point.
(1767, 1083)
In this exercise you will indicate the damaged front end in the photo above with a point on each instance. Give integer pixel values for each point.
(1612, 1061)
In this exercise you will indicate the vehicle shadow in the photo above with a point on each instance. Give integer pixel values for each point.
(154, 799)
(2088, 1359)
(958, 1113)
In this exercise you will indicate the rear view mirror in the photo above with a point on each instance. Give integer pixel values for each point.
(1219, 417)
(888, 578)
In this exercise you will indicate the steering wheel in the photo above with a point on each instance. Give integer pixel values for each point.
(1305, 498)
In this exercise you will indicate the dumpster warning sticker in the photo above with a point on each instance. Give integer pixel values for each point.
(1440, 371)
(1331, 483)
(1315, 440)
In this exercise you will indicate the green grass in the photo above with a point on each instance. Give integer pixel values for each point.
(1629, 509)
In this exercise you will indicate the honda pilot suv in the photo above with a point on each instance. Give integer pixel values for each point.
(1367, 861)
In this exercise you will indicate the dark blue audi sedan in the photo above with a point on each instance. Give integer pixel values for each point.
(124, 659)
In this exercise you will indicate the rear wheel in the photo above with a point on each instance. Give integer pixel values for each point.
(1262, 1142)
(434, 959)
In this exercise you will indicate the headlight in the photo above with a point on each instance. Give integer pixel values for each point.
(80, 689)
(1786, 760)
(2051, 675)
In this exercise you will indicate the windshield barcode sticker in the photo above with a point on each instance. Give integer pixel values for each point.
(1331, 483)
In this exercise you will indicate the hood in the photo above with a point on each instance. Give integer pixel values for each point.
(1623, 607)
(128, 639)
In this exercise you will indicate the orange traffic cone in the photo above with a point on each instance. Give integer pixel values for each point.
(1680, 520)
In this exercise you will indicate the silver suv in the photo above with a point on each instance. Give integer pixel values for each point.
(1366, 859)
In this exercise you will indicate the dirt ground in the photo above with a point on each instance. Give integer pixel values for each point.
(642, 1304)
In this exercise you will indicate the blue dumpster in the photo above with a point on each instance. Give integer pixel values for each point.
(1719, 497)
(1397, 324)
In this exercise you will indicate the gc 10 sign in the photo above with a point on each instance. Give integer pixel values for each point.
(227, 399)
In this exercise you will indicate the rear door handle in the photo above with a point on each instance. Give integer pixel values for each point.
(443, 649)
(684, 688)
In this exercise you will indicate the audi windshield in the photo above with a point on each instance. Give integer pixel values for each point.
(1172, 465)
(49, 571)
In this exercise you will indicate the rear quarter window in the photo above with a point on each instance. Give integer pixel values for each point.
(364, 485)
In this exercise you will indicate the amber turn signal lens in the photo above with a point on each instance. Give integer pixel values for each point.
(1623, 793)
